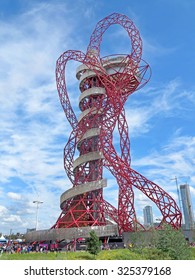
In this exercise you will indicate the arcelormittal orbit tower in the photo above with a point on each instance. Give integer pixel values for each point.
(105, 84)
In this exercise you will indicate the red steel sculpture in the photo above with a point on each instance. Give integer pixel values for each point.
(105, 85)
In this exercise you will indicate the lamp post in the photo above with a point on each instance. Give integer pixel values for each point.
(37, 202)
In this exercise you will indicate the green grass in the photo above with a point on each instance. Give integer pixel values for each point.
(48, 256)
(118, 254)
(193, 253)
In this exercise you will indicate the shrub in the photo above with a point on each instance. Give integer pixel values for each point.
(94, 244)
(172, 242)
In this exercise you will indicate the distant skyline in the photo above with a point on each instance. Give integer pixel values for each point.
(34, 129)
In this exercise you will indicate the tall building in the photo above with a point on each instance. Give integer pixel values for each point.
(187, 206)
(104, 86)
(148, 216)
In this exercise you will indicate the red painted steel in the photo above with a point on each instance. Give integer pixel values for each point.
(119, 76)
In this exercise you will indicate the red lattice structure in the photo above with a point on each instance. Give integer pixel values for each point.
(105, 84)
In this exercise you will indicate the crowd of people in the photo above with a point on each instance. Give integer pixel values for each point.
(21, 248)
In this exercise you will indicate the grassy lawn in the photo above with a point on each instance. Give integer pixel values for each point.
(118, 254)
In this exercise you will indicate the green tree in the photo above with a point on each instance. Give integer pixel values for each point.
(172, 242)
(94, 244)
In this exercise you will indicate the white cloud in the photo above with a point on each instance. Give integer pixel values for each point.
(14, 196)
(176, 159)
(13, 218)
(153, 102)
(192, 191)
(137, 119)
(32, 122)
(3, 210)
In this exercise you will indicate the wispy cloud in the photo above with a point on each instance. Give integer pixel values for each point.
(32, 123)
(167, 101)
(174, 159)
(14, 196)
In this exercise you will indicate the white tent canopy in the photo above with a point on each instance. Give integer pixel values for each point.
(3, 239)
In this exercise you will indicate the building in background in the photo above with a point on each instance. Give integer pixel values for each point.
(148, 216)
(187, 207)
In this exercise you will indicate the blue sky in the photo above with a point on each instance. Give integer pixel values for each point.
(33, 127)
